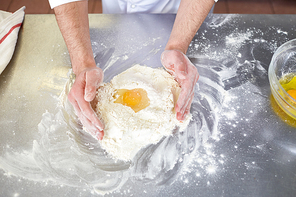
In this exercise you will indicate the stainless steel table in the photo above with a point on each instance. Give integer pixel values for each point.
(236, 144)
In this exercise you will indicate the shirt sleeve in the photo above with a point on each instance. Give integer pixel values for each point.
(55, 3)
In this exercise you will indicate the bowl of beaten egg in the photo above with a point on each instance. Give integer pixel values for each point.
(282, 77)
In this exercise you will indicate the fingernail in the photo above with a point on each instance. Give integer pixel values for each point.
(99, 127)
(87, 96)
(100, 135)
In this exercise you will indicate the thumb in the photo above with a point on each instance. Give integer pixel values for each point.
(181, 66)
(166, 60)
(93, 79)
(175, 61)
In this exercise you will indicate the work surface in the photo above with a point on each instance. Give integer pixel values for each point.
(236, 145)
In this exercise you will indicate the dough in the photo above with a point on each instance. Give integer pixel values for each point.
(127, 131)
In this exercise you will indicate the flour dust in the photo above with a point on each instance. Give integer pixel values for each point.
(65, 155)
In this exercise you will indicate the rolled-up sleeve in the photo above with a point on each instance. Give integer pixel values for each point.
(55, 3)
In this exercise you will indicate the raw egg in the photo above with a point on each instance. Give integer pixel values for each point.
(292, 93)
(289, 84)
(279, 111)
(136, 99)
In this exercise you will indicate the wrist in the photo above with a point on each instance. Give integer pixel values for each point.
(172, 48)
(79, 65)
(177, 46)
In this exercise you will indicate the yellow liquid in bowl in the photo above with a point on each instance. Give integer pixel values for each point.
(283, 115)
(288, 82)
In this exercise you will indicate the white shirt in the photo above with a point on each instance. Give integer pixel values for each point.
(142, 6)
(55, 3)
(131, 6)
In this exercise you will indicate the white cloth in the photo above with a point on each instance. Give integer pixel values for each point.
(140, 6)
(131, 6)
(55, 3)
(9, 27)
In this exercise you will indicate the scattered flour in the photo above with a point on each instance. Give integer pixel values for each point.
(86, 169)
(237, 39)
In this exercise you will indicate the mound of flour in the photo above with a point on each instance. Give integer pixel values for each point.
(126, 131)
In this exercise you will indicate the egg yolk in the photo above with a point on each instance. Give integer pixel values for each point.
(292, 93)
(288, 82)
(136, 99)
(132, 97)
(278, 110)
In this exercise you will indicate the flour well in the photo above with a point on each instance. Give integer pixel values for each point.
(127, 131)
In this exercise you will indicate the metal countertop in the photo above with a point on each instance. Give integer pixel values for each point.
(236, 146)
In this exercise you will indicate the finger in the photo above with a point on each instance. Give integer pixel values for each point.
(89, 113)
(81, 105)
(181, 66)
(93, 79)
(191, 69)
(74, 103)
(186, 91)
(187, 110)
(99, 135)
(90, 128)
(84, 120)
(195, 74)
(182, 111)
(181, 100)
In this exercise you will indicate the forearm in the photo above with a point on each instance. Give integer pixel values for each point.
(73, 22)
(190, 16)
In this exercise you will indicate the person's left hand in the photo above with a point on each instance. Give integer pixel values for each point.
(185, 73)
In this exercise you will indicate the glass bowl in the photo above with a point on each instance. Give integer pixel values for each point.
(282, 68)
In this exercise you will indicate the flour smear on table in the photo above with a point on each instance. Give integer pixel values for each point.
(65, 155)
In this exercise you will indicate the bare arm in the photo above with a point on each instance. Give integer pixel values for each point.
(73, 22)
(190, 16)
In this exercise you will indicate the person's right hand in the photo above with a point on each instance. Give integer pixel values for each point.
(81, 94)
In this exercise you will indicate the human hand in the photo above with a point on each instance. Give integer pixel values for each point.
(185, 73)
(82, 92)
